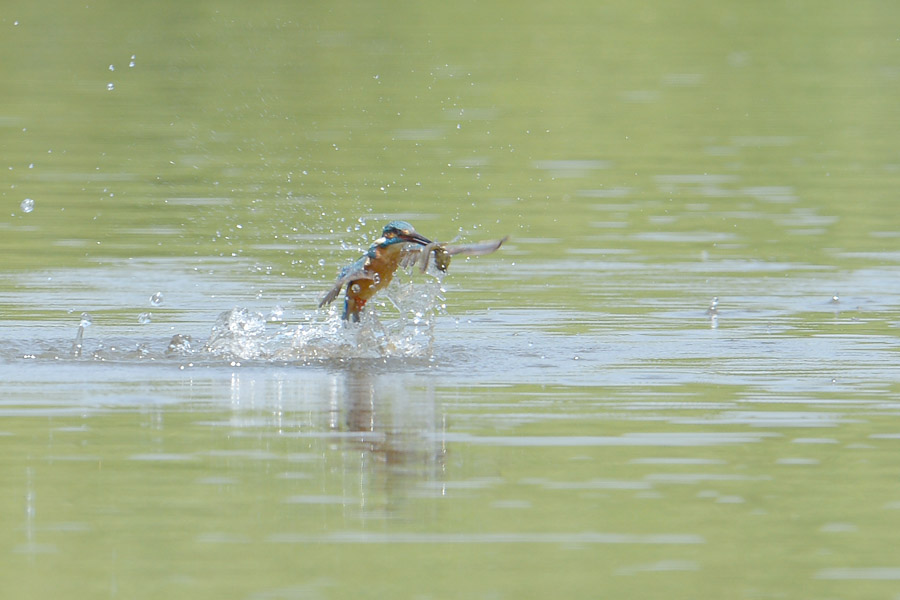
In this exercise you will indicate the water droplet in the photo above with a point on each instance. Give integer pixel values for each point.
(276, 314)
(144, 318)
(321, 262)
(112, 67)
(77, 343)
(110, 87)
(355, 288)
(27, 205)
(86, 320)
(835, 299)
(156, 299)
(133, 57)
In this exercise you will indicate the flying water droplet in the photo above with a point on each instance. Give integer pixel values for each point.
(713, 313)
(27, 205)
(131, 64)
(156, 299)
(77, 343)
(276, 314)
(110, 86)
(144, 318)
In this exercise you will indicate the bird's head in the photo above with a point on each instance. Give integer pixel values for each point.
(397, 232)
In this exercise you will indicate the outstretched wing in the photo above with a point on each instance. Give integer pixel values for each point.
(348, 274)
(475, 249)
(420, 255)
(415, 254)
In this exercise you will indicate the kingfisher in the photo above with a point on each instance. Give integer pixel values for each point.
(374, 270)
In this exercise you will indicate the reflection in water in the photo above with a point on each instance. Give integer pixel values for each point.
(387, 439)
(401, 436)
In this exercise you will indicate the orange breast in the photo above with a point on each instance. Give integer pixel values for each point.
(383, 265)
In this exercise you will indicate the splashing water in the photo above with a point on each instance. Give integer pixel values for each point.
(239, 333)
(398, 323)
(179, 345)
(276, 314)
(78, 343)
(248, 335)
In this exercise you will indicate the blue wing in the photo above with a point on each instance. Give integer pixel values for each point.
(350, 273)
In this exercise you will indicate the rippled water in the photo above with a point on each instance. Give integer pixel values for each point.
(677, 379)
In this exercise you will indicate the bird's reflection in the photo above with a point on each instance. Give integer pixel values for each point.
(375, 432)
(400, 435)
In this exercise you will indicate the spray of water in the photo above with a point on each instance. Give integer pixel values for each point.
(397, 323)
(400, 325)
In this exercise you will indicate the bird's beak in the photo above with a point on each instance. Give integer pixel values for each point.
(412, 236)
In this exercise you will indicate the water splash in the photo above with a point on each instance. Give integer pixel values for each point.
(78, 342)
(180, 345)
(398, 323)
(240, 333)
(404, 328)
(408, 332)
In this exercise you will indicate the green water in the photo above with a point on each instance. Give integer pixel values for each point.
(579, 423)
